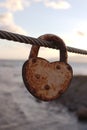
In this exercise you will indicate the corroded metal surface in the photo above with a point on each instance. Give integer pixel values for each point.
(45, 80)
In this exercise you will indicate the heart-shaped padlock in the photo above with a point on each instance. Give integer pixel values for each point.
(44, 80)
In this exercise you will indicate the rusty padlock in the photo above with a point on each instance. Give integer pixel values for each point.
(44, 80)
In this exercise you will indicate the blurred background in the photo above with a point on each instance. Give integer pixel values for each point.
(64, 18)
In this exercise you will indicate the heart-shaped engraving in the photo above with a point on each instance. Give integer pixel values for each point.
(45, 80)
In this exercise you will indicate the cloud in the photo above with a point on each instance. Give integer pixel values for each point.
(7, 23)
(38, 0)
(81, 30)
(15, 5)
(18, 5)
(56, 4)
(77, 37)
(7, 19)
(80, 33)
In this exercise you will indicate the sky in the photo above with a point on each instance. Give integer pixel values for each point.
(64, 18)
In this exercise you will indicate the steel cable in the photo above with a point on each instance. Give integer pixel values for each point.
(35, 41)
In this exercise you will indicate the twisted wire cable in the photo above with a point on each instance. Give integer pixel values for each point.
(34, 41)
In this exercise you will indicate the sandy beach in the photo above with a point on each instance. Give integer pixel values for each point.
(21, 111)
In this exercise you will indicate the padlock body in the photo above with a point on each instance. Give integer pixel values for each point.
(45, 80)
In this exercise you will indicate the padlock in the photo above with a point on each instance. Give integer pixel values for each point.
(44, 80)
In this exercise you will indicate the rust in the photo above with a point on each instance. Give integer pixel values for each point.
(37, 76)
(60, 92)
(34, 51)
(59, 43)
(69, 68)
(47, 87)
(58, 67)
(41, 77)
(34, 60)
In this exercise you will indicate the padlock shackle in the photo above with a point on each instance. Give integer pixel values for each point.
(54, 40)
(34, 51)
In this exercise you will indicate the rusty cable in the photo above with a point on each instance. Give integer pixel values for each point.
(35, 41)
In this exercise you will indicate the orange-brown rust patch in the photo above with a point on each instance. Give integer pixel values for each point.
(44, 81)
(37, 76)
(58, 67)
(46, 87)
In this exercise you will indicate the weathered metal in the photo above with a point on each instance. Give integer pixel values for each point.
(44, 80)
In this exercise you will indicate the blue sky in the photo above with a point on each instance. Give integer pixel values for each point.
(65, 18)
